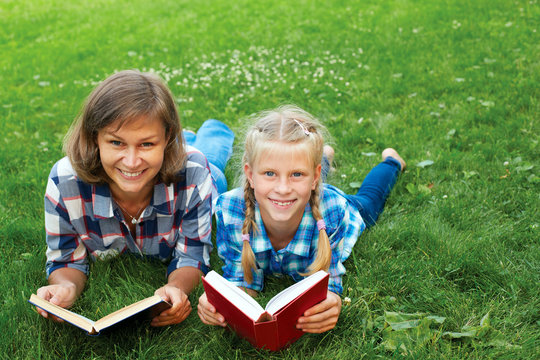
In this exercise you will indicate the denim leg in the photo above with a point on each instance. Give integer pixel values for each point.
(215, 141)
(372, 195)
(189, 137)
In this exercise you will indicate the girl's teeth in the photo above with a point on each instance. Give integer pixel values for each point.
(282, 203)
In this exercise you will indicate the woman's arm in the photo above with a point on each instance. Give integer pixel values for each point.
(65, 286)
(181, 282)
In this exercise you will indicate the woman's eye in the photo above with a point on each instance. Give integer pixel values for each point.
(116, 143)
(147, 144)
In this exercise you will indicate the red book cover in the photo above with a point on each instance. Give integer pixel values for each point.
(268, 331)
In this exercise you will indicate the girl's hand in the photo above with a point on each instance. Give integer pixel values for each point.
(63, 295)
(181, 307)
(208, 313)
(321, 317)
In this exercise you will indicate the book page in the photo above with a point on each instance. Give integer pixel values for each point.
(239, 298)
(64, 314)
(292, 292)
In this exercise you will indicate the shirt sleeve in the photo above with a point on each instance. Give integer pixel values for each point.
(64, 245)
(337, 269)
(194, 243)
(345, 226)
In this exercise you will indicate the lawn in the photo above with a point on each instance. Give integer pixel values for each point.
(452, 85)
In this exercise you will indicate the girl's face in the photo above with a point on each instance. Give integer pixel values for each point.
(282, 180)
(132, 156)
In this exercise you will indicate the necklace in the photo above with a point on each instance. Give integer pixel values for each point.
(134, 219)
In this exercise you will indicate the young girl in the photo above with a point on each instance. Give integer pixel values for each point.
(129, 185)
(285, 221)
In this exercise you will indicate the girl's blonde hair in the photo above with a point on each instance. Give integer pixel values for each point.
(124, 96)
(289, 124)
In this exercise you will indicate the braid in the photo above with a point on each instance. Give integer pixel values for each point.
(248, 257)
(324, 252)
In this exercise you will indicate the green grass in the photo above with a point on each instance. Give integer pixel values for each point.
(454, 82)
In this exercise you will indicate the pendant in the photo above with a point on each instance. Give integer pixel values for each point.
(133, 221)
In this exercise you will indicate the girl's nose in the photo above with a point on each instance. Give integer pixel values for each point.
(283, 186)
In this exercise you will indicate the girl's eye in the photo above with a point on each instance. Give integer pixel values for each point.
(297, 174)
(269, 173)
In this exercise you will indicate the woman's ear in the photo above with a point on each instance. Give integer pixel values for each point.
(316, 177)
(248, 172)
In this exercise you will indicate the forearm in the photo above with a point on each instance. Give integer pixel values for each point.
(69, 277)
(185, 278)
(250, 292)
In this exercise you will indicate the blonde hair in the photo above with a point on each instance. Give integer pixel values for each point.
(124, 96)
(289, 124)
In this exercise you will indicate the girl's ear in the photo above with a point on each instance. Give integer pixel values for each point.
(316, 177)
(249, 174)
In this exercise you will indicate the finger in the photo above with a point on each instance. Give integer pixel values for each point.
(176, 311)
(324, 305)
(215, 319)
(170, 320)
(318, 330)
(42, 312)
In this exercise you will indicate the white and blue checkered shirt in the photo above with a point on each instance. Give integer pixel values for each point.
(82, 221)
(343, 226)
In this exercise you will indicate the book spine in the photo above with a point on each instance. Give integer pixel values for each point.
(266, 335)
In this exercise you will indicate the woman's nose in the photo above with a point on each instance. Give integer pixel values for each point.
(132, 158)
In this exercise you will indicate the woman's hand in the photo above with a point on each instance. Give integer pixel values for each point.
(321, 317)
(181, 307)
(65, 286)
(63, 295)
(208, 313)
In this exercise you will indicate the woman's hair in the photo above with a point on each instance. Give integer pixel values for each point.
(293, 125)
(124, 97)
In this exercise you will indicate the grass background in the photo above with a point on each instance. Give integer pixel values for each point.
(454, 82)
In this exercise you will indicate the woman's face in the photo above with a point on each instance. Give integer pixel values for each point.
(132, 156)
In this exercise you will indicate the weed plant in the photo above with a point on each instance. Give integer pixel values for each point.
(452, 85)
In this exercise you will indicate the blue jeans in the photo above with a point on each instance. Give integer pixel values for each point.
(372, 195)
(215, 140)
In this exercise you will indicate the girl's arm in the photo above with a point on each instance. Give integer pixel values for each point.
(323, 316)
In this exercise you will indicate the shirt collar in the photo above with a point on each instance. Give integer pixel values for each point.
(300, 244)
(162, 201)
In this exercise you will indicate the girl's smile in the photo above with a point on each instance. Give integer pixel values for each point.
(282, 179)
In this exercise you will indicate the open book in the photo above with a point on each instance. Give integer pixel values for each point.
(272, 327)
(146, 308)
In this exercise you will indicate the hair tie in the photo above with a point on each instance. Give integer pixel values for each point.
(321, 225)
(245, 237)
(303, 127)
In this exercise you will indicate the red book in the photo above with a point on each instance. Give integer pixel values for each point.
(271, 328)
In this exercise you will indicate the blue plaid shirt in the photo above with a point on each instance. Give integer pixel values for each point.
(82, 221)
(343, 226)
